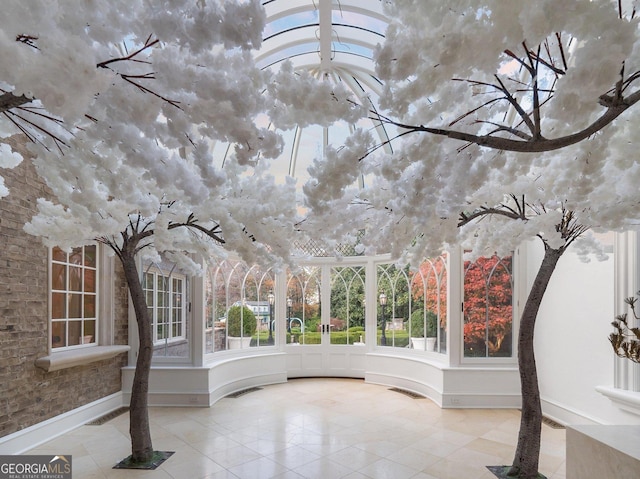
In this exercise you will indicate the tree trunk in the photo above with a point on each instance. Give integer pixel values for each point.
(141, 447)
(525, 462)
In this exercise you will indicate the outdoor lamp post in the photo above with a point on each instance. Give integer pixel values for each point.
(383, 304)
(272, 299)
(289, 304)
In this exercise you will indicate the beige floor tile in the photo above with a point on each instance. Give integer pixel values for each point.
(329, 429)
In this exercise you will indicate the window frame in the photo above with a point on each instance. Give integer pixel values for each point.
(519, 278)
(169, 308)
(67, 291)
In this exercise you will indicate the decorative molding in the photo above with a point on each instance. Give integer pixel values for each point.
(79, 357)
(627, 400)
(33, 436)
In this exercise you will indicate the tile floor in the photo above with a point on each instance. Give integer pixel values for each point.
(313, 429)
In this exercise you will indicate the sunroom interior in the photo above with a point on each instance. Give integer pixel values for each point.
(445, 329)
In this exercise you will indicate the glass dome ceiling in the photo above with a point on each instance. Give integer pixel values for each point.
(333, 40)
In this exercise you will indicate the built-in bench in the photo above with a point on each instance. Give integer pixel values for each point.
(597, 452)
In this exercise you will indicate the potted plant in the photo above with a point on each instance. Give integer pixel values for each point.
(418, 340)
(241, 326)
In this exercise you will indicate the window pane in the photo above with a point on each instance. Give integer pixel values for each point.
(58, 305)
(394, 314)
(58, 255)
(76, 256)
(75, 333)
(58, 277)
(90, 280)
(488, 307)
(160, 299)
(304, 309)
(89, 331)
(347, 305)
(89, 306)
(75, 278)
(90, 256)
(75, 305)
(73, 296)
(58, 334)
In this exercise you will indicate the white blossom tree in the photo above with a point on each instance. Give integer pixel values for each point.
(122, 102)
(514, 120)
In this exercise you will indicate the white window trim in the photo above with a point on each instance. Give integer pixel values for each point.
(50, 293)
(181, 277)
(105, 347)
(518, 293)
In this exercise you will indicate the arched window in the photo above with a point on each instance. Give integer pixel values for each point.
(488, 307)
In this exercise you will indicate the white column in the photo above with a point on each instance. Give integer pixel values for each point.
(371, 304)
(280, 308)
(626, 284)
(455, 288)
(197, 315)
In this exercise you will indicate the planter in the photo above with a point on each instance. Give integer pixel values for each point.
(238, 343)
(423, 344)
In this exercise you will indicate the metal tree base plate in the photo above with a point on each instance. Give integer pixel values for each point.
(501, 472)
(158, 458)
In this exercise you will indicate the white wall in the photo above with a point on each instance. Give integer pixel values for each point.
(572, 350)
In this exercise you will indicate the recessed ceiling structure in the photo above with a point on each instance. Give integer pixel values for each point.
(333, 40)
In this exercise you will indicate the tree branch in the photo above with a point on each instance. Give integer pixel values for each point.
(8, 101)
(614, 108)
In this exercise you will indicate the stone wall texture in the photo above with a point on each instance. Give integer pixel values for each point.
(29, 395)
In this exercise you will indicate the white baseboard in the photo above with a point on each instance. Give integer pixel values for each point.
(565, 415)
(33, 436)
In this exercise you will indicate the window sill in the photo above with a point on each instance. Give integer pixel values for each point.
(626, 400)
(70, 359)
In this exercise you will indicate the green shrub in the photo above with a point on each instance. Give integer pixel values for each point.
(241, 317)
(417, 324)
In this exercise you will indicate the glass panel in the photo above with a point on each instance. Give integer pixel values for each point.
(58, 334)
(428, 325)
(488, 307)
(90, 280)
(304, 307)
(58, 305)
(89, 306)
(160, 331)
(75, 305)
(347, 305)
(90, 256)
(58, 277)
(75, 257)
(393, 306)
(75, 278)
(75, 333)
(217, 280)
(89, 332)
(58, 255)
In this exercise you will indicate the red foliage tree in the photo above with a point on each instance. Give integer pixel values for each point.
(488, 307)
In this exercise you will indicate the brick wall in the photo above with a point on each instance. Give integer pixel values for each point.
(29, 395)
